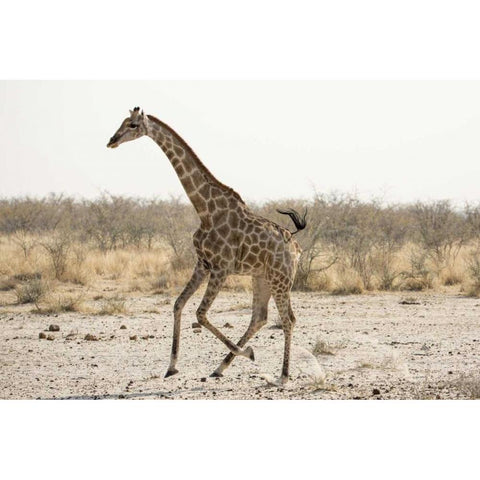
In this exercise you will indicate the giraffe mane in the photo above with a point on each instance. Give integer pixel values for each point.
(195, 156)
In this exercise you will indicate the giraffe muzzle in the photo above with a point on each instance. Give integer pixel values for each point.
(112, 143)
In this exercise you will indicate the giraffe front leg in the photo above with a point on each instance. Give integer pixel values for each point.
(192, 286)
(217, 278)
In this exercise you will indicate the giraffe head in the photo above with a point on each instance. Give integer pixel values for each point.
(133, 127)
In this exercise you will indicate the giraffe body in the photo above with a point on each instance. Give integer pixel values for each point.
(231, 239)
(240, 242)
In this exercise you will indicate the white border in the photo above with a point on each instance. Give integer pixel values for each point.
(217, 39)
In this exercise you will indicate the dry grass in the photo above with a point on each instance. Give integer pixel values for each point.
(151, 270)
(389, 361)
(347, 285)
(469, 385)
(62, 304)
(32, 291)
(326, 347)
(236, 307)
(7, 284)
(113, 306)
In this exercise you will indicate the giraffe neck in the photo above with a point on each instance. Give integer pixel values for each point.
(198, 182)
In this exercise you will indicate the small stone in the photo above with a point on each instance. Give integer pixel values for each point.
(203, 379)
(123, 327)
(197, 330)
(50, 337)
(196, 325)
(90, 338)
(450, 372)
(121, 395)
(42, 335)
(376, 391)
(53, 328)
(134, 337)
(228, 325)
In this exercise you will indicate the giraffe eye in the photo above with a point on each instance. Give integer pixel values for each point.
(133, 126)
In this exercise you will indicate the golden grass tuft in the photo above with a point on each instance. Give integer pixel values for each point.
(347, 283)
(113, 306)
(63, 304)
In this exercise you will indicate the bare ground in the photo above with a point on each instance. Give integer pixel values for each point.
(366, 347)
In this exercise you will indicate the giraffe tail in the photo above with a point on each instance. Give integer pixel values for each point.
(299, 221)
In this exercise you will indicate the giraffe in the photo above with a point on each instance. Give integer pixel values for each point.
(231, 239)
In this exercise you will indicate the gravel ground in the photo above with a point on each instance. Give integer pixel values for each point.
(377, 346)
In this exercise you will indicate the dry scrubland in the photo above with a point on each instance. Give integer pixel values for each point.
(386, 300)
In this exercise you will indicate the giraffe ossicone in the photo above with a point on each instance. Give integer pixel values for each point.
(231, 239)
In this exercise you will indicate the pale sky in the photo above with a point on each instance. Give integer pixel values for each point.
(401, 140)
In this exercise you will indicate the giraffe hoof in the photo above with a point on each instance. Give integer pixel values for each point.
(171, 372)
(249, 353)
(216, 375)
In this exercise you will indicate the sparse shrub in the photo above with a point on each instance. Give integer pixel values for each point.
(473, 267)
(31, 291)
(442, 231)
(113, 306)
(419, 276)
(76, 271)
(57, 246)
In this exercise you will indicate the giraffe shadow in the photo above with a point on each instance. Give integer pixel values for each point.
(156, 395)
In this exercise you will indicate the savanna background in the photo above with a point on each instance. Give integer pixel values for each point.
(55, 244)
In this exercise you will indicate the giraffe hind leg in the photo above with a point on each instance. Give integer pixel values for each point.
(285, 311)
(261, 296)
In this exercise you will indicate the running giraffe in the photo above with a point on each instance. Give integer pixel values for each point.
(231, 240)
